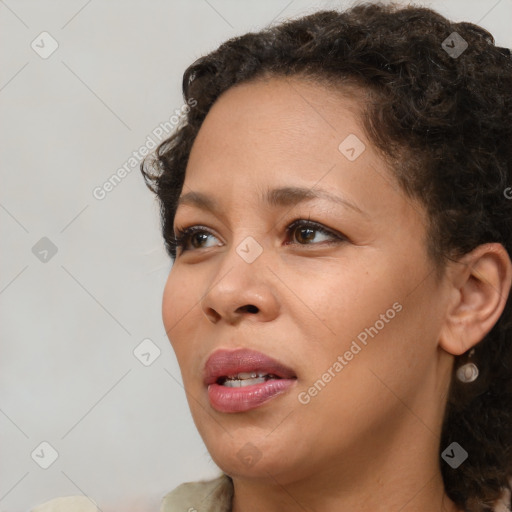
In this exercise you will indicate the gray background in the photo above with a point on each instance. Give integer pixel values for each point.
(72, 320)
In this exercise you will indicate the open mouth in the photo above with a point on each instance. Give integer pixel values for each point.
(243, 379)
(243, 367)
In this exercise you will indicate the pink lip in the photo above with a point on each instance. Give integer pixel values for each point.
(223, 363)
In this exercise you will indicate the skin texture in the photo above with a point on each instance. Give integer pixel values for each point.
(369, 440)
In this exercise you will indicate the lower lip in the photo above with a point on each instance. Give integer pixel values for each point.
(225, 399)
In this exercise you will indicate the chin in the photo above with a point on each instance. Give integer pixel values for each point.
(264, 468)
(238, 457)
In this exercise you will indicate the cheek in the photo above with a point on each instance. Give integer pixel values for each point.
(177, 305)
(338, 299)
(377, 314)
(168, 302)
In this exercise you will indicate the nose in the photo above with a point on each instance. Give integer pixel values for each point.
(241, 290)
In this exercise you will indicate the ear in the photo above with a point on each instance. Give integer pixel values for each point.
(479, 284)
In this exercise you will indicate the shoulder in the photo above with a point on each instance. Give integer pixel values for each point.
(203, 496)
(68, 504)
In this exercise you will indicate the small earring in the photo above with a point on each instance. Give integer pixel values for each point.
(468, 372)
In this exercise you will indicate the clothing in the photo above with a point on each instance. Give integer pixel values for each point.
(205, 496)
(67, 504)
(214, 495)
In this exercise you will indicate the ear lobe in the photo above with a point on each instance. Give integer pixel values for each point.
(480, 282)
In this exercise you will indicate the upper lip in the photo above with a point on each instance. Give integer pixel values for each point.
(223, 363)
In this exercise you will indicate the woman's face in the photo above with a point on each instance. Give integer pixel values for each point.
(350, 305)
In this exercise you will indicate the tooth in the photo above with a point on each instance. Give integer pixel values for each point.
(247, 375)
(237, 383)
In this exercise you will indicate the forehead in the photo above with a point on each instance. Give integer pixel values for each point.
(287, 132)
(294, 104)
(274, 125)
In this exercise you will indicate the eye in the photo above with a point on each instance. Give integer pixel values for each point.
(305, 229)
(185, 235)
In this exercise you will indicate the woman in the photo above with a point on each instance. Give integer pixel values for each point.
(337, 206)
(351, 352)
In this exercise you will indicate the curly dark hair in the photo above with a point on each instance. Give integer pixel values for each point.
(444, 123)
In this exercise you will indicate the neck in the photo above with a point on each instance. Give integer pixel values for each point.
(406, 495)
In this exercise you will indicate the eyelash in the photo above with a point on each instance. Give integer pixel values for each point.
(183, 235)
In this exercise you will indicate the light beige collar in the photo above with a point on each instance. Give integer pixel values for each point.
(204, 496)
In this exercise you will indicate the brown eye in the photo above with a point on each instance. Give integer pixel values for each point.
(194, 236)
(305, 231)
(198, 237)
(305, 234)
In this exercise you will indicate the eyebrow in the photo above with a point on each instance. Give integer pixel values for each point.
(277, 197)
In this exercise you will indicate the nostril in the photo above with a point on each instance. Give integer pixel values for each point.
(250, 308)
